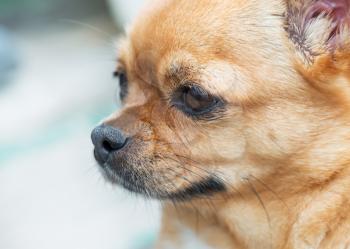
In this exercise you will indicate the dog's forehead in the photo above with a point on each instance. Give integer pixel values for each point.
(166, 35)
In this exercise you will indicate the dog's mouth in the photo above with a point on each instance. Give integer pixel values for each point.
(147, 184)
(130, 181)
(206, 187)
(165, 176)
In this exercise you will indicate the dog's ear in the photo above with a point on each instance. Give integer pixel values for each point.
(317, 27)
(320, 34)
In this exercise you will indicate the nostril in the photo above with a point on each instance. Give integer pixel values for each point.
(107, 140)
(107, 146)
(111, 144)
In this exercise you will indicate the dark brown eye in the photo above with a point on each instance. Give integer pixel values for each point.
(195, 101)
(123, 83)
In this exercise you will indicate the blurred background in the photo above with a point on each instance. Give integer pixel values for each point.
(56, 64)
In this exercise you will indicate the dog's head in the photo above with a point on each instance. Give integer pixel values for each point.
(219, 93)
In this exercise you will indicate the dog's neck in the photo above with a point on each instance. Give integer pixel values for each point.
(304, 219)
(303, 209)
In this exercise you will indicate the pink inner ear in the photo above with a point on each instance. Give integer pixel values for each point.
(337, 10)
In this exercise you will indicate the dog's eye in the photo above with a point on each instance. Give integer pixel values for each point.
(194, 100)
(123, 83)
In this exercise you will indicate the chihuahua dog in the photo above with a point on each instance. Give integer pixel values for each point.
(236, 116)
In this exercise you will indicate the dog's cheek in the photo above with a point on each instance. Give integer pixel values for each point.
(279, 129)
(221, 145)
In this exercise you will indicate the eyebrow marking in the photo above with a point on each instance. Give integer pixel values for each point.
(179, 73)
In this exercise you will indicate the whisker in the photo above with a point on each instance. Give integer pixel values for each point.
(263, 206)
(271, 190)
(215, 174)
(223, 197)
(87, 25)
(208, 200)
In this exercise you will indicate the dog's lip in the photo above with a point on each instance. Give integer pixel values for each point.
(210, 186)
(115, 178)
(98, 158)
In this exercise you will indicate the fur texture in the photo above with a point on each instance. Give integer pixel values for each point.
(280, 147)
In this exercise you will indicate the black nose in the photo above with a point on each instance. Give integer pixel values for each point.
(107, 140)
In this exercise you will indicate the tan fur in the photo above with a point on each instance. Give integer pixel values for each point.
(282, 147)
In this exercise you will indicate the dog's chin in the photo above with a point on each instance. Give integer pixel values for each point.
(133, 185)
(149, 188)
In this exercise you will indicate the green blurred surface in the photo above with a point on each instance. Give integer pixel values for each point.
(16, 13)
(10, 6)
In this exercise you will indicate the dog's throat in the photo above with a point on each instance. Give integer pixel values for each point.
(203, 188)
